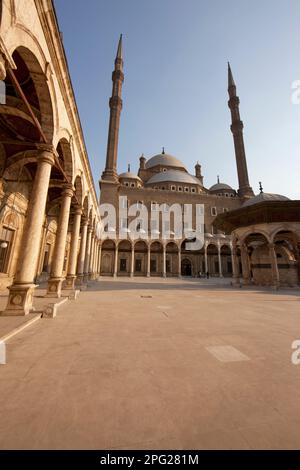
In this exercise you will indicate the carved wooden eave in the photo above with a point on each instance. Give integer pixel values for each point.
(262, 213)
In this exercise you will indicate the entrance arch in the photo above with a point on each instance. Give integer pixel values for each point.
(186, 267)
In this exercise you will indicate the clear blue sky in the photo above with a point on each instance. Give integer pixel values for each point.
(175, 89)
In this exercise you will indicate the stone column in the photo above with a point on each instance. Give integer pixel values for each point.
(91, 264)
(149, 261)
(274, 266)
(245, 265)
(81, 258)
(179, 261)
(87, 255)
(132, 261)
(205, 259)
(235, 265)
(71, 274)
(95, 263)
(220, 261)
(21, 291)
(55, 281)
(164, 261)
(116, 261)
(99, 259)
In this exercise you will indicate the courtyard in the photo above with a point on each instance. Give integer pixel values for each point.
(156, 364)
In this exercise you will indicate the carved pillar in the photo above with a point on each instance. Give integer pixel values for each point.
(149, 261)
(91, 264)
(220, 261)
(87, 255)
(81, 257)
(205, 259)
(179, 261)
(99, 259)
(164, 261)
(56, 279)
(132, 261)
(245, 265)
(235, 265)
(116, 261)
(71, 274)
(274, 266)
(21, 291)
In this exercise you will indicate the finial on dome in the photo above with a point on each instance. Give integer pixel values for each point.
(163, 151)
(218, 179)
(128, 167)
(261, 189)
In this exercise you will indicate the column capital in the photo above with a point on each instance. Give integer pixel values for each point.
(46, 153)
(68, 190)
(78, 209)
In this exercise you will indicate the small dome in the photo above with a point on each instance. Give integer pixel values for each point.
(130, 176)
(220, 187)
(262, 197)
(173, 176)
(164, 159)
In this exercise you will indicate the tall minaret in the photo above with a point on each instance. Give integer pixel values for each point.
(237, 127)
(115, 104)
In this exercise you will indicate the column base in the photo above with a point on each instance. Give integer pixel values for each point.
(54, 287)
(79, 280)
(70, 283)
(86, 278)
(148, 275)
(20, 299)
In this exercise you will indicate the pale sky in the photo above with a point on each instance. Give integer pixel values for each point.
(175, 88)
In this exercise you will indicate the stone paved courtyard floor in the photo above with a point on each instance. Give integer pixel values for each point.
(162, 364)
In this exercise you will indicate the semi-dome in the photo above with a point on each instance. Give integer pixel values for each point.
(173, 176)
(262, 197)
(129, 175)
(220, 187)
(164, 159)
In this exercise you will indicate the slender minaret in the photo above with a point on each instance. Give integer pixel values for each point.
(115, 104)
(237, 127)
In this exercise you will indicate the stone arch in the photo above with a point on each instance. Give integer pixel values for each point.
(78, 189)
(65, 157)
(172, 253)
(124, 258)
(141, 258)
(11, 219)
(108, 254)
(226, 260)
(212, 259)
(156, 258)
(23, 55)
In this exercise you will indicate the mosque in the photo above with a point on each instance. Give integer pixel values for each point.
(51, 229)
(163, 180)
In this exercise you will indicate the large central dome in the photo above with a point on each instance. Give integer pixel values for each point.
(164, 159)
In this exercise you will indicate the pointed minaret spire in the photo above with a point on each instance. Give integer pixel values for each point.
(120, 49)
(231, 82)
(237, 127)
(128, 167)
(115, 104)
(261, 189)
